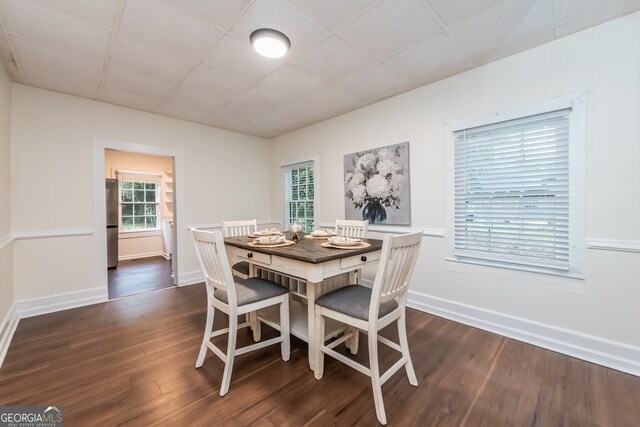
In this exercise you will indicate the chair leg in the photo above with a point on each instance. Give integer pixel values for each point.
(284, 329)
(404, 345)
(256, 326)
(231, 354)
(318, 357)
(354, 341)
(207, 336)
(375, 376)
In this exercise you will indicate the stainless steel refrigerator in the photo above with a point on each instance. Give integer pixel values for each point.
(112, 222)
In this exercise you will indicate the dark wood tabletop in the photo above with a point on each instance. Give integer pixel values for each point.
(307, 250)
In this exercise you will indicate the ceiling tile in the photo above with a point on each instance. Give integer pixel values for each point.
(209, 82)
(242, 111)
(59, 63)
(303, 31)
(367, 83)
(515, 46)
(275, 122)
(220, 13)
(513, 20)
(566, 10)
(331, 60)
(329, 101)
(425, 58)
(36, 22)
(114, 95)
(67, 81)
(182, 112)
(135, 56)
(195, 100)
(334, 15)
(237, 59)
(288, 84)
(390, 27)
(99, 12)
(454, 11)
(137, 84)
(8, 61)
(168, 28)
(264, 99)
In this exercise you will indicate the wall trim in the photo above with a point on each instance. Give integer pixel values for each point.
(59, 302)
(50, 234)
(5, 240)
(601, 351)
(218, 225)
(144, 255)
(7, 329)
(397, 229)
(190, 278)
(632, 246)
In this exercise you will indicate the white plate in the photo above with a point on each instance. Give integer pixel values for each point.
(269, 240)
(322, 233)
(344, 241)
(270, 232)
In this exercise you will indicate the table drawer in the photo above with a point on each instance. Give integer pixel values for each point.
(256, 257)
(355, 260)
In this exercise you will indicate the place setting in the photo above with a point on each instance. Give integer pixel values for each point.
(269, 238)
(320, 234)
(344, 242)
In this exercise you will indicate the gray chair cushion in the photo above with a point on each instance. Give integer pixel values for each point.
(252, 290)
(354, 301)
(242, 267)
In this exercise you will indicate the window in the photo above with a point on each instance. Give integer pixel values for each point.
(138, 205)
(299, 190)
(517, 190)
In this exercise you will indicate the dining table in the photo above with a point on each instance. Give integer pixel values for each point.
(309, 270)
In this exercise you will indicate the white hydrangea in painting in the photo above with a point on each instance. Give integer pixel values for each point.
(376, 181)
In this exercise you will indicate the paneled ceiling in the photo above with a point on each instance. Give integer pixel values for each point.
(191, 59)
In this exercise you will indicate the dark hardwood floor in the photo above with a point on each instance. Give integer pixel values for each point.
(131, 361)
(139, 275)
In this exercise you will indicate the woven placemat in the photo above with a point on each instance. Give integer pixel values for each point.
(271, 245)
(358, 246)
(309, 236)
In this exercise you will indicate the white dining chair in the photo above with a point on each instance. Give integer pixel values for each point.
(351, 228)
(237, 229)
(235, 298)
(370, 310)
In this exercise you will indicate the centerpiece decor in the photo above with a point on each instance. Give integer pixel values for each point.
(376, 184)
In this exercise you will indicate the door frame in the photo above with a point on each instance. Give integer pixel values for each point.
(100, 208)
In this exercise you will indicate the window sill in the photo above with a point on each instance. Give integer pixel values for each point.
(133, 234)
(516, 268)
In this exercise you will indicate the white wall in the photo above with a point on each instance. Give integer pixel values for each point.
(53, 134)
(145, 243)
(6, 245)
(602, 308)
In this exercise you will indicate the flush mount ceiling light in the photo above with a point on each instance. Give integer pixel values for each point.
(270, 43)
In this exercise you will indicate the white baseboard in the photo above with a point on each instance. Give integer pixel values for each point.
(612, 354)
(50, 304)
(190, 278)
(7, 329)
(140, 256)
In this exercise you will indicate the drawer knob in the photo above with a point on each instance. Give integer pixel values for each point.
(250, 255)
(363, 258)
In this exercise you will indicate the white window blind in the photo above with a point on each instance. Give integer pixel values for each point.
(511, 191)
(299, 195)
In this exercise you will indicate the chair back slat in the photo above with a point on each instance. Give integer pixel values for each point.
(397, 262)
(351, 228)
(214, 262)
(239, 228)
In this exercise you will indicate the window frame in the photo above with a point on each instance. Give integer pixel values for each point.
(286, 168)
(577, 180)
(158, 226)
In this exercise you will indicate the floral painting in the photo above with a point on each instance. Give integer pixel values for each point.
(376, 184)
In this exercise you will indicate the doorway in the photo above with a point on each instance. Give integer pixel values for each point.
(100, 145)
